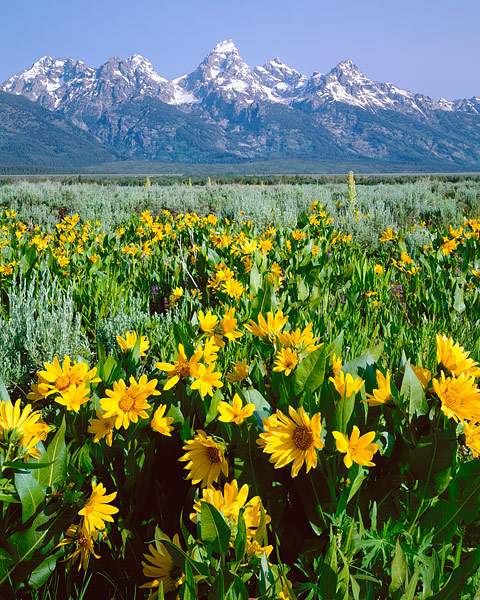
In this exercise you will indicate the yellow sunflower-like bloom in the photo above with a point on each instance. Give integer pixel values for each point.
(230, 502)
(346, 385)
(128, 404)
(357, 449)
(292, 440)
(424, 376)
(472, 438)
(453, 358)
(378, 269)
(206, 379)
(336, 364)
(98, 510)
(459, 396)
(383, 393)
(39, 390)
(269, 328)
(129, 341)
(228, 326)
(24, 428)
(240, 371)
(286, 360)
(300, 340)
(74, 397)
(207, 322)
(182, 367)
(210, 351)
(206, 459)
(59, 379)
(82, 544)
(233, 288)
(102, 428)
(160, 423)
(235, 412)
(160, 566)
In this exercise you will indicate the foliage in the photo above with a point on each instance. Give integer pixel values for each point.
(225, 408)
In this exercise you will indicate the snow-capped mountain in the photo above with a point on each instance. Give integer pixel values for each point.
(269, 110)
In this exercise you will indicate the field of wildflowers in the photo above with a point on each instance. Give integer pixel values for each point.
(211, 406)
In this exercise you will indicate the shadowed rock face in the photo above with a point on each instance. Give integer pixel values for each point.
(226, 109)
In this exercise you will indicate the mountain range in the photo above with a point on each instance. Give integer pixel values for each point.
(225, 112)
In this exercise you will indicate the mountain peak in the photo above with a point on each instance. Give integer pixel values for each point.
(225, 47)
(347, 66)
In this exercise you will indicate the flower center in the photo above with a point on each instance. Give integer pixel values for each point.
(213, 454)
(62, 382)
(182, 369)
(452, 399)
(126, 403)
(302, 438)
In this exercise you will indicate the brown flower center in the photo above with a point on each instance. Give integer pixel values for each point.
(182, 369)
(213, 454)
(126, 403)
(302, 437)
(452, 399)
(62, 383)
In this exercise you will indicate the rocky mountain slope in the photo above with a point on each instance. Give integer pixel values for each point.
(225, 111)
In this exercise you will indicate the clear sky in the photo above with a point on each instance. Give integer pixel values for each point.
(426, 46)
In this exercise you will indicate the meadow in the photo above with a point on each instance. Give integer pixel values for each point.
(230, 391)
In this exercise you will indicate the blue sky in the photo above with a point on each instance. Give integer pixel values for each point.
(425, 46)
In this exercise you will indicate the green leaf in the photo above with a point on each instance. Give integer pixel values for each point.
(328, 574)
(30, 492)
(310, 373)
(262, 408)
(213, 529)
(43, 535)
(40, 575)
(266, 579)
(458, 303)
(4, 396)
(179, 558)
(412, 585)
(456, 583)
(213, 409)
(412, 395)
(399, 569)
(254, 280)
(240, 542)
(187, 591)
(431, 577)
(30, 466)
(56, 455)
(343, 411)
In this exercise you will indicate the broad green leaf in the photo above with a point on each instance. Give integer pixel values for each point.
(4, 396)
(240, 542)
(412, 395)
(187, 591)
(56, 455)
(328, 575)
(254, 280)
(412, 585)
(458, 302)
(343, 411)
(28, 466)
(431, 576)
(310, 373)
(30, 492)
(266, 579)
(262, 408)
(213, 529)
(399, 569)
(179, 558)
(212, 411)
(456, 583)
